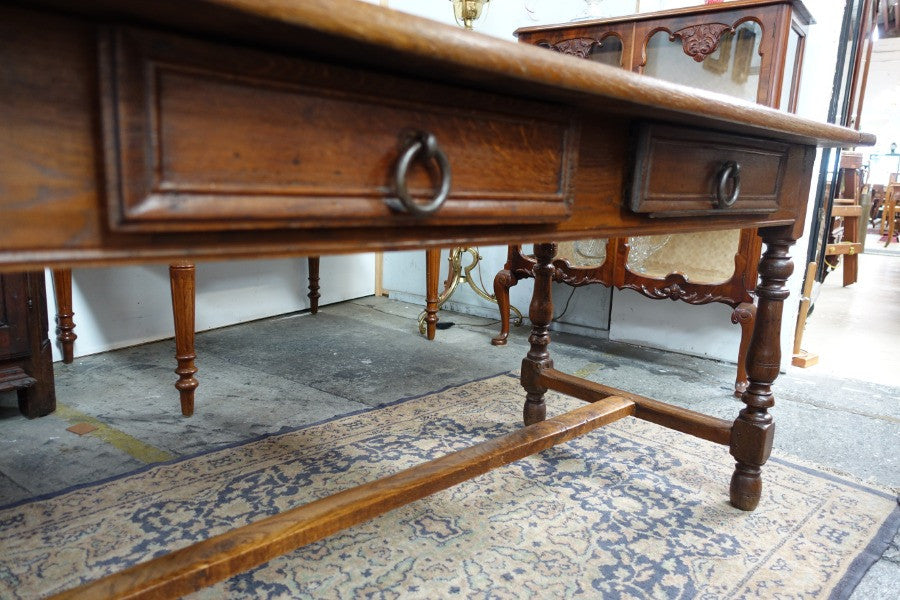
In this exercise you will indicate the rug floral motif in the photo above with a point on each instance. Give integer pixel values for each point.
(629, 511)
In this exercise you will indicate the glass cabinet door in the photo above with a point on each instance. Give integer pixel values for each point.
(608, 51)
(732, 68)
(792, 64)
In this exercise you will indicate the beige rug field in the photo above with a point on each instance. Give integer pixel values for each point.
(629, 511)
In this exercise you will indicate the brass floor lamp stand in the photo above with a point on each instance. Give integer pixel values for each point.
(457, 274)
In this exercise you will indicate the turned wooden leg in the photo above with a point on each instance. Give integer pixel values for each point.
(432, 274)
(540, 311)
(181, 277)
(313, 295)
(502, 282)
(65, 323)
(754, 429)
(744, 315)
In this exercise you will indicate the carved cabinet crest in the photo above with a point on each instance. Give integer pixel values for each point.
(699, 41)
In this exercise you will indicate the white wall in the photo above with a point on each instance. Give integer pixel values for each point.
(700, 330)
(123, 306)
(882, 105)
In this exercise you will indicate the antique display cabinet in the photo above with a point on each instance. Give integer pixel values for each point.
(751, 49)
(26, 364)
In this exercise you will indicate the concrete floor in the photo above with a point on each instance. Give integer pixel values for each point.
(855, 330)
(284, 372)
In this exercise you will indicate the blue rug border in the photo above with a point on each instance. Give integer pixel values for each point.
(830, 477)
(282, 431)
(873, 552)
(843, 590)
(868, 557)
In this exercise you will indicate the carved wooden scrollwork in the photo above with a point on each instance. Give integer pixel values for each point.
(579, 276)
(676, 287)
(699, 41)
(580, 47)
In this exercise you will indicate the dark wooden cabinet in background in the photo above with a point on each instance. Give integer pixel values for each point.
(26, 364)
(752, 49)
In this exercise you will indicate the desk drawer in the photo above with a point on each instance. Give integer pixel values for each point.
(202, 137)
(681, 172)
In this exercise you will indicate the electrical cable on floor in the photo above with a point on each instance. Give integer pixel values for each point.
(493, 323)
(566, 307)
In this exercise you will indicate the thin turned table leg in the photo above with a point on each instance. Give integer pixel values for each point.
(432, 274)
(181, 277)
(754, 429)
(541, 313)
(313, 262)
(65, 322)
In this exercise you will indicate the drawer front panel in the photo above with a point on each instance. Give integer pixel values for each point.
(202, 137)
(663, 186)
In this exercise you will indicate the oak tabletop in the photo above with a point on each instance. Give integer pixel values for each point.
(383, 38)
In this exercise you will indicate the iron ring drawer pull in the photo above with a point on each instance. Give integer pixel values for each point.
(420, 145)
(730, 170)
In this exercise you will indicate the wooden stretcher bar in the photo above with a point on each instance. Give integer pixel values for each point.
(674, 417)
(205, 563)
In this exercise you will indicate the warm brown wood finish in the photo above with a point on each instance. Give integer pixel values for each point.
(175, 168)
(664, 188)
(54, 58)
(683, 171)
(65, 316)
(540, 312)
(183, 284)
(26, 364)
(699, 28)
(432, 276)
(648, 409)
(844, 242)
(744, 315)
(754, 430)
(74, 192)
(203, 564)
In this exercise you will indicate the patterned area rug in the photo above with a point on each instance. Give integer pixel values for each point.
(629, 511)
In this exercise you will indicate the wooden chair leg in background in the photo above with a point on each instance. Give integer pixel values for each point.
(432, 274)
(313, 263)
(744, 315)
(182, 279)
(503, 281)
(65, 317)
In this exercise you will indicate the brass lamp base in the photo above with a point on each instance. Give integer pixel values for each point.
(463, 274)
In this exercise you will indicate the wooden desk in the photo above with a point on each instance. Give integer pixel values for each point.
(194, 130)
